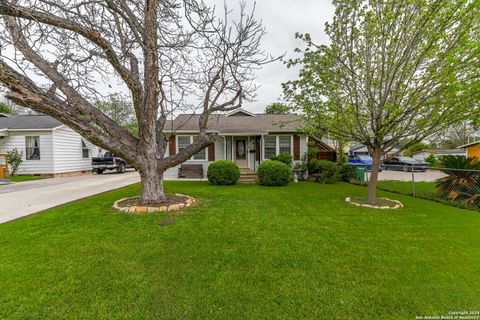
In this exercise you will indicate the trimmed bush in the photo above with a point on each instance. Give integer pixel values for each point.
(273, 173)
(284, 158)
(327, 171)
(223, 172)
(347, 172)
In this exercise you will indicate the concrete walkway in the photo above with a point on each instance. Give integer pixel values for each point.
(22, 199)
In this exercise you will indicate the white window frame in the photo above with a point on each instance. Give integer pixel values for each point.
(192, 158)
(291, 143)
(265, 145)
(39, 149)
(84, 143)
(277, 144)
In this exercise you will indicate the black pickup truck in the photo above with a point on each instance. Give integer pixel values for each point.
(109, 162)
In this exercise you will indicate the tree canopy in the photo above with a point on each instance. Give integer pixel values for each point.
(393, 70)
(5, 108)
(277, 108)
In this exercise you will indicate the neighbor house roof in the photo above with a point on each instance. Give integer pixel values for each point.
(29, 122)
(469, 144)
(239, 122)
(441, 151)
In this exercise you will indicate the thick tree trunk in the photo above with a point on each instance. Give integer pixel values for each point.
(372, 184)
(152, 185)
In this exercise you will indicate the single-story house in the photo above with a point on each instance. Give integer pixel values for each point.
(243, 137)
(472, 149)
(423, 154)
(48, 146)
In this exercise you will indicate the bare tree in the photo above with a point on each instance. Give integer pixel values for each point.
(171, 55)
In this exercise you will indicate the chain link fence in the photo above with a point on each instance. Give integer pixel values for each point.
(457, 187)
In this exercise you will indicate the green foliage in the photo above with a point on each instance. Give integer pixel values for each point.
(273, 173)
(347, 172)
(415, 148)
(14, 158)
(277, 108)
(284, 158)
(120, 110)
(302, 167)
(462, 181)
(378, 88)
(4, 108)
(223, 172)
(312, 150)
(326, 171)
(459, 162)
(432, 160)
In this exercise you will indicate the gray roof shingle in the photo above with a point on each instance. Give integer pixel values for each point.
(260, 123)
(29, 122)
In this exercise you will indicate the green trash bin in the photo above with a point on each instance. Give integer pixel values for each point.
(361, 173)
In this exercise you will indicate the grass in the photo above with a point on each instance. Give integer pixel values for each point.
(24, 178)
(245, 252)
(425, 190)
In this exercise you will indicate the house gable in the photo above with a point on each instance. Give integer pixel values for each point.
(240, 113)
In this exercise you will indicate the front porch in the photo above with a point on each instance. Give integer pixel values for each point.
(244, 150)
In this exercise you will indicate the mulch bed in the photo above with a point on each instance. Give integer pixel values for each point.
(171, 199)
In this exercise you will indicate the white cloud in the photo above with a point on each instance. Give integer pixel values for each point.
(283, 18)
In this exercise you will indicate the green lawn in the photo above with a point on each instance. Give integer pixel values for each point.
(422, 189)
(245, 252)
(24, 178)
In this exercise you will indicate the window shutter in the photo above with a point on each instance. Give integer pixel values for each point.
(211, 152)
(296, 147)
(172, 148)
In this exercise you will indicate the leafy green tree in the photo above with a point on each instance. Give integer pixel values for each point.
(120, 110)
(277, 108)
(416, 147)
(392, 70)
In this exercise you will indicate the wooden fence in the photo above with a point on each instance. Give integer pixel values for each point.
(3, 165)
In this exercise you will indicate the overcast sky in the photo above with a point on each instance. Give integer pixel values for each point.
(283, 18)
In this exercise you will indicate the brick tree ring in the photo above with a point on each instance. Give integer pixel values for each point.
(177, 202)
(384, 203)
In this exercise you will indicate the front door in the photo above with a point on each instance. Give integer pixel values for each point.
(241, 152)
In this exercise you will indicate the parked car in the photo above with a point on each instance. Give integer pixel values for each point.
(109, 162)
(363, 160)
(406, 164)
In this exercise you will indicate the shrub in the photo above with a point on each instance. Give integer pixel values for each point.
(284, 158)
(301, 168)
(347, 172)
(14, 159)
(327, 171)
(223, 172)
(432, 160)
(273, 173)
(462, 180)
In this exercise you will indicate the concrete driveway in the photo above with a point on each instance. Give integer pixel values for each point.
(22, 199)
(428, 176)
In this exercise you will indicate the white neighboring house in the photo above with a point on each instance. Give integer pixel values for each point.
(243, 137)
(49, 147)
(423, 154)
